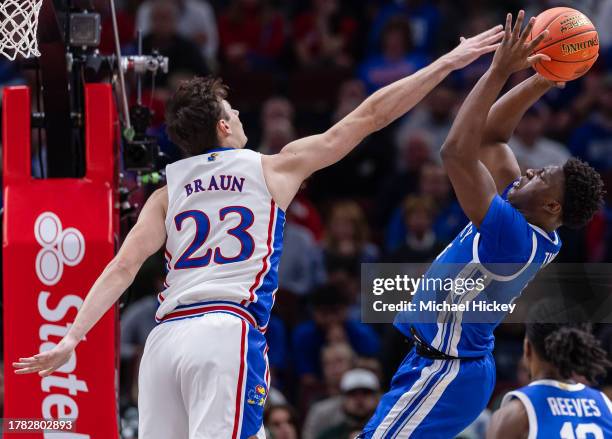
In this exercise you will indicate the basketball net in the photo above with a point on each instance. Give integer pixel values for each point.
(18, 24)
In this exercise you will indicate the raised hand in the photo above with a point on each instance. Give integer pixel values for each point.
(46, 362)
(515, 52)
(470, 49)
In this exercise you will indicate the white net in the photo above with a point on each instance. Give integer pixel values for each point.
(18, 24)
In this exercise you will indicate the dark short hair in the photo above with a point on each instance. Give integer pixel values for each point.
(193, 112)
(584, 192)
(571, 348)
(328, 295)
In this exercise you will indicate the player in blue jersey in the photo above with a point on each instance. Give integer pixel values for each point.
(446, 381)
(554, 405)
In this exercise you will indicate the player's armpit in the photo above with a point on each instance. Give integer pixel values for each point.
(509, 422)
(499, 159)
(148, 234)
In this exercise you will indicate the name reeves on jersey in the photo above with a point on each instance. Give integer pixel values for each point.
(215, 183)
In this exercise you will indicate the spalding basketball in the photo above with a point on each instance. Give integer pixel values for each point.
(572, 43)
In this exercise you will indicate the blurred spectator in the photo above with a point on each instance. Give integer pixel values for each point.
(531, 148)
(301, 267)
(414, 153)
(277, 107)
(395, 60)
(337, 359)
(303, 212)
(329, 324)
(137, 322)
(351, 93)
(592, 141)
(277, 115)
(433, 116)
(163, 36)
(278, 344)
(323, 36)
(359, 175)
(449, 219)
(276, 134)
(252, 34)
(360, 396)
(281, 422)
(347, 236)
(422, 15)
(421, 243)
(196, 21)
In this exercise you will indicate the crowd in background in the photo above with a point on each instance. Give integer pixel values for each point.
(293, 69)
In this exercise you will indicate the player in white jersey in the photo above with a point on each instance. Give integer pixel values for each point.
(554, 404)
(204, 370)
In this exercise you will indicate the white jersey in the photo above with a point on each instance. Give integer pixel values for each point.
(224, 238)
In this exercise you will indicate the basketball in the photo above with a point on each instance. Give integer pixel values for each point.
(572, 44)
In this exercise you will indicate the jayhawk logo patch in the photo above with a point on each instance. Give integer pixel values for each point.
(257, 396)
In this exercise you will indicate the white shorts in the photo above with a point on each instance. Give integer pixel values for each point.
(203, 378)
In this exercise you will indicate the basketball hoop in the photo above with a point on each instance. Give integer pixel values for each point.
(18, 24)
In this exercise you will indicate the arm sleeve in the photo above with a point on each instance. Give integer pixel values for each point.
(505, 234)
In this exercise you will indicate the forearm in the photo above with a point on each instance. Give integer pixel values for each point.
(465, 136)
(396, 99)
(510, 108)
(113, 281)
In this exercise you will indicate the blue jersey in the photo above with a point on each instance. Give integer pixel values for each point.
(566, 411)
(500, 257)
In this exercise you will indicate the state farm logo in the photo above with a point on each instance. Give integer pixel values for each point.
(59, 247)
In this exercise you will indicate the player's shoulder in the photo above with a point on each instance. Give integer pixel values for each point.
(511, 420)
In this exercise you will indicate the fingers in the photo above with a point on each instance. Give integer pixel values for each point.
(26, 370)
(462, 39)
(492, 31)
(537, 58)
(493, 38)
(507, 28)
(490, 48)
(536, 41)
(516, 32)
(527, 30)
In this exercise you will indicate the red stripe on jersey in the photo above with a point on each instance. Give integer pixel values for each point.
(265, 259)
(212, 308)
(239, 391)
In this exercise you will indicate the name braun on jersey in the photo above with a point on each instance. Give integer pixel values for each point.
(216, 183)
(434, 306)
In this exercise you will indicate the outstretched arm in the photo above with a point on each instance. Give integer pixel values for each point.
(473, 184)
(503, 118)
(286, 170)
(145, 238)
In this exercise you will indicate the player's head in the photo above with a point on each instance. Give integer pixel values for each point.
(562, 350)
(199, 118)
(559, 195)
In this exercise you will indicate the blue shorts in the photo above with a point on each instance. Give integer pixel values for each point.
(433, 398)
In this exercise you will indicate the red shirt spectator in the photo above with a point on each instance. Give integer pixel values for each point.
(252, 33)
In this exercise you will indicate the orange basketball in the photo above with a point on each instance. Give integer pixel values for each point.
(572, 43)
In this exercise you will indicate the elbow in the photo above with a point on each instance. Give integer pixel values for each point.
(449, 151)
(123, 268)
